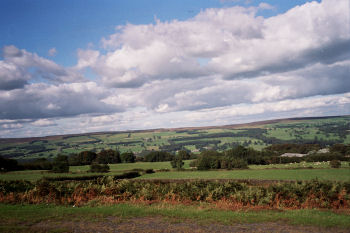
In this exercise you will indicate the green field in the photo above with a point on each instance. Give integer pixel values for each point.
(293, 171)
(342, 174)
(326, 131)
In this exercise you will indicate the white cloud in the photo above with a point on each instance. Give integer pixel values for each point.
(44, 101)
(234, 41)
(52, 52)
(43, 123)
(266, 6)
(268, 107)
(87, 58)
(220, 67)
(12, 126)
(19, 67)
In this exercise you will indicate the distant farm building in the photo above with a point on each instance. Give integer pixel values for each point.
(293, 155)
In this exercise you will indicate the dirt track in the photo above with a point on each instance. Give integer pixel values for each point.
(159, 224)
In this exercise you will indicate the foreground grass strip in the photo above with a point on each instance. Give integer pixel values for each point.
(21, 217)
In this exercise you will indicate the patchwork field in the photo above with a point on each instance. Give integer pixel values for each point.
(324, 131)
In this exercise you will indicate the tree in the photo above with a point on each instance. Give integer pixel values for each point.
(158, 156)
(177, 162)
(127, 157)
(83, 158)
(208, 160)
(60, 164)
(108, 156)
(8, 164)
(184, 154)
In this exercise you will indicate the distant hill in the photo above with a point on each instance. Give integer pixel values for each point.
(321, 130)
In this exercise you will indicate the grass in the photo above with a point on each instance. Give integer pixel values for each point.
(298, 165)
(341, 174)
(33, 175)
(21, 217)
(274, 171)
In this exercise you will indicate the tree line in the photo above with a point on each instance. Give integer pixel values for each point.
(236, 157)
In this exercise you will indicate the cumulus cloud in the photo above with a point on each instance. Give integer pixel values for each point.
(268, 107)
(12, 76)
(234, 41)
(19, 67)
(47, 101)
(222, 65)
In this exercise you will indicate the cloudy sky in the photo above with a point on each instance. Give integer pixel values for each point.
(86, 65)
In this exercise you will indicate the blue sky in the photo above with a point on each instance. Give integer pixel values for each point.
(39, 25)
(136, 64)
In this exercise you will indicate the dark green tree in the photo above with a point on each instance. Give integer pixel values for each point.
(8, 164)
(158, 156)
(127, 157)
(108, 156)
(208, 160)
(184, 154)
(60, 164)
(177, 162)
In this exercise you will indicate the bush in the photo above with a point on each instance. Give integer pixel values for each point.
(127, 175)
(95, 167)
(335, 164)
(60, 164)
(149, 171)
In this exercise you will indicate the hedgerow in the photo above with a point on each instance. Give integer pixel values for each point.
(290, 195)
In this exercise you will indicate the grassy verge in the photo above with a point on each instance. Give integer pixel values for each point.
(22, 217)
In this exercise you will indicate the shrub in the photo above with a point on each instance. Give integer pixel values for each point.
(95, 167)
(149, 171)
(335, 164)
(127, 175)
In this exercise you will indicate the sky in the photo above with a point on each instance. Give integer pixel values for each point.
(88, 66)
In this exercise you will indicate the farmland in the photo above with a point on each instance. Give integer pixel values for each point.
(302, 196)
(323, 131)
(294, 171)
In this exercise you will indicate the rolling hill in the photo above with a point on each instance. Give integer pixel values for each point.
(321, 130)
